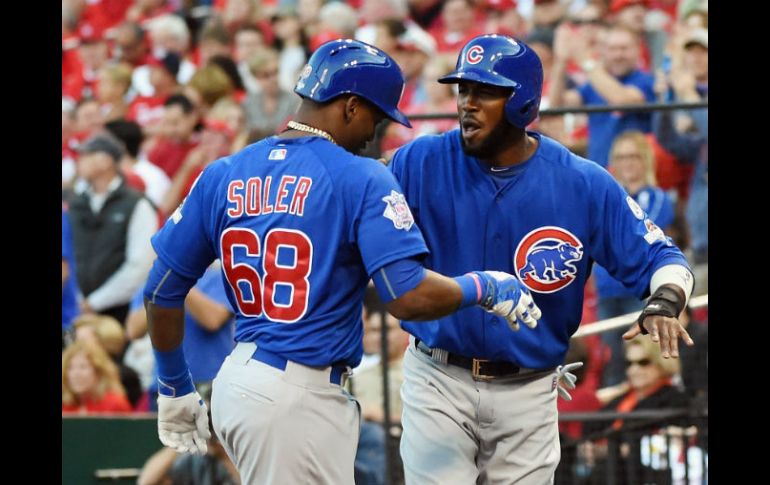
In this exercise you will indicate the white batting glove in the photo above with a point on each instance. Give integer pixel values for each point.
(566, 380)
(510, 299)
(183, 423)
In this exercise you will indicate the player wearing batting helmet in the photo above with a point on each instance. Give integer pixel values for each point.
(301, 224)
(479, 401)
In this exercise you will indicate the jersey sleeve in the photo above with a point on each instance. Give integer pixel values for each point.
(625, 241)
(383, 225)
(184, 241)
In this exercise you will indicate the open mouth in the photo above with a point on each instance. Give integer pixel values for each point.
(470, 128)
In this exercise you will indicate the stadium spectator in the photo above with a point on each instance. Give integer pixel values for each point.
(633, 165)
(90, 383)
(612, 79)
(291, 43)
(270, 108)
(111, 227)
(176, 135)
(650, 387)
(458, 26)
(107, 333)
(114, 83)
(155, 180)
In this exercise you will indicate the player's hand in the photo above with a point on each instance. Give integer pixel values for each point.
(183, 423)
(504, 296)
(664, 330)
(566, 379)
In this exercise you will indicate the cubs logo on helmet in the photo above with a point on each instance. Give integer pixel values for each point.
(545, 259)
(475, 54)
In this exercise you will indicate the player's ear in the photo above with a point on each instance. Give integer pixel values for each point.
(352, 106)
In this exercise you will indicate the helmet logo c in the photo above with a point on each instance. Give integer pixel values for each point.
(475, 54)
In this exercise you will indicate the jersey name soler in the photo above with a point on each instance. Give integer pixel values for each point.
(257, 196)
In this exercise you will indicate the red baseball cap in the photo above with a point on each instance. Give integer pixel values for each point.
(322, 38)
(618, 5)
(88, 34)
(500, 5)
(220, 126)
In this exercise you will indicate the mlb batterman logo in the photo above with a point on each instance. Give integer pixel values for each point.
(475, 54)
(545, 259)
(397, 210)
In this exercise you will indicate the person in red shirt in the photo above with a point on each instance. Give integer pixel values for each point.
(147, 111)
(84, 71)
(215, 143)
(458, 26)
(90, 381)
(504, 18)
(130, 45)
(176, 134)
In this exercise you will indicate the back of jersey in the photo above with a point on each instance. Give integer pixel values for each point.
(299, 225)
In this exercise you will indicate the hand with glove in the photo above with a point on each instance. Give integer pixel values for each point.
(566, 379)
(183, 421)
(503, 295)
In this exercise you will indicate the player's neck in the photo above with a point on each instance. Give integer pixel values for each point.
(519, 151)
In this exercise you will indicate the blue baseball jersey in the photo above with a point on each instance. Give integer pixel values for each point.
(299, 225)
(660, 209)
(546, 224)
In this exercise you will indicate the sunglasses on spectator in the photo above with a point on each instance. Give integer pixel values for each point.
(640, 362)
(266, 74)
(587, 22)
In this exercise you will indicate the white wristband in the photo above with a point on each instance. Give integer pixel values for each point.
(674, 274)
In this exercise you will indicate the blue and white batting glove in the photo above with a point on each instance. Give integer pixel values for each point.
(504, 296)
(183, 422)
(566, 380)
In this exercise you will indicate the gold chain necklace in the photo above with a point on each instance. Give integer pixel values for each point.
(294, 125)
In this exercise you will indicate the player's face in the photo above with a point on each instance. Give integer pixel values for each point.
(481, 109)
(81, 374)
(368, 116)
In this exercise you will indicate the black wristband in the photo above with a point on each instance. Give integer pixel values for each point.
(666, 301)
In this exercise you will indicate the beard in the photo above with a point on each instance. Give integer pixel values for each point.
(498, 139)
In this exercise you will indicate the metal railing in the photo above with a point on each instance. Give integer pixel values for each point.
(630, 108)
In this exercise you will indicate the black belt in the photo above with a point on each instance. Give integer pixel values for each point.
(481, 369)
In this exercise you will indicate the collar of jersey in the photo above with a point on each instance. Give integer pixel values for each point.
(514, 169)
(300, 140)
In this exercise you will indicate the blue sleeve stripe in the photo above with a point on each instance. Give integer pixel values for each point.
(165, 287)
(387, 283)
(397, 278)
(157, 288)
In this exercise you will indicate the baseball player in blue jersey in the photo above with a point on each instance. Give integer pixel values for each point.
(300, 225)
(479, 400)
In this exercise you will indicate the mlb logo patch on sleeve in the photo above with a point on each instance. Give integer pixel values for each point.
(397, 210)
(277, 154)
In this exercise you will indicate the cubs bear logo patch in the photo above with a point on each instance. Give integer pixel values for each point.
(545, 259)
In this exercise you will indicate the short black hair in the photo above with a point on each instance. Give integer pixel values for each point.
(129, 132)
(182, 101)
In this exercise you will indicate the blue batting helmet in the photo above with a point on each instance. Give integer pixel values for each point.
(500, 60)
(350, 66)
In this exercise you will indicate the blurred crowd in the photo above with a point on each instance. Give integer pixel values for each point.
(154, 90)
